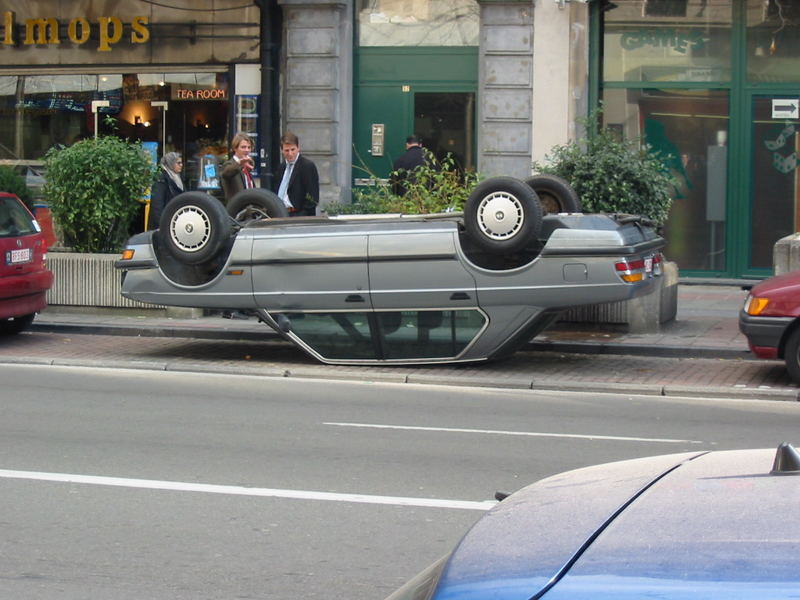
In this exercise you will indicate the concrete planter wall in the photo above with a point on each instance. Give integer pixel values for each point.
(87, 280)
(786, 254)
(639, 315)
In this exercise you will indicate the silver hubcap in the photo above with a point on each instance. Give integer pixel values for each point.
(500, 216)
(190, 228)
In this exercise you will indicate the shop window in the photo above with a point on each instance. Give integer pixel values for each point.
(690, 128)
(666, 40)
(181, 112)
(773, 41)
(418, 22)
(665, 8)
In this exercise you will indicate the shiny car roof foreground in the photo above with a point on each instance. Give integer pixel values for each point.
(695, 525)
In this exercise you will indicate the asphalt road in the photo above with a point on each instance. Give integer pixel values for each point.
(143, 484)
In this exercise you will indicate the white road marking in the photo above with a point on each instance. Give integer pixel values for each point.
(518, 433)
(237, 490)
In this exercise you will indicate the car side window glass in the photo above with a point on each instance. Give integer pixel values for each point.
(427, 333)
(342, 335)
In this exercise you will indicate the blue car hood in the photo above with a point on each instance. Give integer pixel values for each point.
(704, 525)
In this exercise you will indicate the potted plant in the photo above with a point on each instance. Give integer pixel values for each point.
(13, 183)
(94, 189)
(437, 186)
(614, 175)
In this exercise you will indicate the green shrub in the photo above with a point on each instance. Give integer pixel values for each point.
(615, 176)
(12, 182)
(437, 186)
(93, 188)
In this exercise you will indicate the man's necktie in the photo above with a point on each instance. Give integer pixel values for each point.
(287, 175)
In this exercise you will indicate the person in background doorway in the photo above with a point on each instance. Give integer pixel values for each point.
(236, 172)
(168, 185)
(297, 179)
(413, 157)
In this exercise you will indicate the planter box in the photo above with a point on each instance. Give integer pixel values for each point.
(90, 280)
(786, 254)
(639, 315)
(86, 280)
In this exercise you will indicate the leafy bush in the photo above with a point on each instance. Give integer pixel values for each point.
(615, 176)
(93, 188)
(437, 186)
(12, 182)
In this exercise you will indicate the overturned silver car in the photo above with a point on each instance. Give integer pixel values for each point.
(451, 287)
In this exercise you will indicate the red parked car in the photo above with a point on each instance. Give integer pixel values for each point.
(770, 320)
(24, 278)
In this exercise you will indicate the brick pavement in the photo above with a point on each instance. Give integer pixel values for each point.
(700, 353)
(626, 373)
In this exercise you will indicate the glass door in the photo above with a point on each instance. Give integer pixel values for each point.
(445, 123)
(774, 173)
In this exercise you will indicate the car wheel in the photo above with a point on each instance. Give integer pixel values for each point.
(502, 215)
(194, 226)
(256, 204)
(791, 355)
(16, 324)
(555, 194)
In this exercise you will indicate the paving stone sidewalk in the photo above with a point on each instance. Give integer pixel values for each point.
(700, 354)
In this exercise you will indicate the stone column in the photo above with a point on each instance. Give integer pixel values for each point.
(505, 92)
(317, 88)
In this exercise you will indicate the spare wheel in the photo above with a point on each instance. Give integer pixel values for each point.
(502, 215)
(256, 204)
(555, 193)
(194, 227)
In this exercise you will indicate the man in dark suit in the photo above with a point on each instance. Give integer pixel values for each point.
(413, 157)
(297, 181)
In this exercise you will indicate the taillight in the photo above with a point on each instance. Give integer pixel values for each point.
(638, 269)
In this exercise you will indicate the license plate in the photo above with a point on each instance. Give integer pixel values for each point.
(16, 257)
(648, 265)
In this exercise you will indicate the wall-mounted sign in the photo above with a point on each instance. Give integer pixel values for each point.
(47, 30)
(786, 108)
(680, 40)
(185, 92)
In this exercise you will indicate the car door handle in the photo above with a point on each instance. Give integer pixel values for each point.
(354, 298)
(459, 296)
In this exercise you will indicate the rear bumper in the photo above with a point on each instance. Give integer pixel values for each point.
(24, 294)
(764, 334)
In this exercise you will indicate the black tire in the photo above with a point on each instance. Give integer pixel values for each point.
(194, 227)
(791, 355)
(16, 325)
(555, 194)
(502, 215)
(256, 204)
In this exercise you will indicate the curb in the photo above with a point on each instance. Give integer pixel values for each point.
(545, 384)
